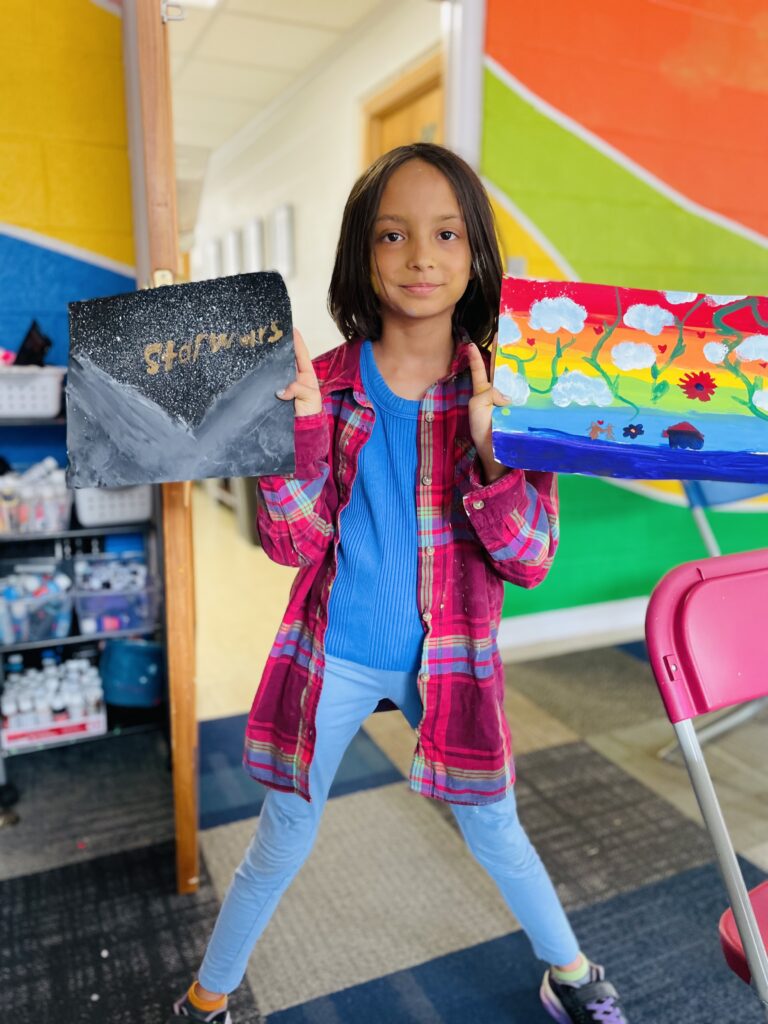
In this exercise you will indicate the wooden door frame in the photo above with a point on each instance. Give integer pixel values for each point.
(408, 87)
(153, 173)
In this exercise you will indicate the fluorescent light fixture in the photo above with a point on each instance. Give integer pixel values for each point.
(232, 254)
(282, 240)
(253, 246)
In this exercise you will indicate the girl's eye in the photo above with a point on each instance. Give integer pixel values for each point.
(450, 234)
(391, 236)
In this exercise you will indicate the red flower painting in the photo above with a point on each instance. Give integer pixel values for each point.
(701, 385)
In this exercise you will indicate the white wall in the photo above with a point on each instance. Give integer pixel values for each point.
(307, 151)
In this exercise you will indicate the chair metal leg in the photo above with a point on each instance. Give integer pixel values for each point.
(717, 727)
(744, 915)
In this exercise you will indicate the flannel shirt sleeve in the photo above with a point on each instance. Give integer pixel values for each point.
(515, 519)
(292, 512)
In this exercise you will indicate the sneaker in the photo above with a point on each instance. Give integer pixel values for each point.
(597, 1002)
(183, 1008)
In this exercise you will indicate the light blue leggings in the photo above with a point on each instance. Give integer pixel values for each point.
(288, 824)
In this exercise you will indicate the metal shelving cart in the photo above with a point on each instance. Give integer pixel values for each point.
(61, 548)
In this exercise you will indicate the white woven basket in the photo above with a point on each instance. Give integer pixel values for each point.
(109, 506)
(30, 392)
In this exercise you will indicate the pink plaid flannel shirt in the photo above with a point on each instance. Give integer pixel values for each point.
(471, 537)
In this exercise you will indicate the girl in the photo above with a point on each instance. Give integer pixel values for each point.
(403, 528)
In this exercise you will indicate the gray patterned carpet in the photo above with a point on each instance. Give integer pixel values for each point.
(391, 919)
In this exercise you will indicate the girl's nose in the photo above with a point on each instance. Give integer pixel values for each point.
(421, 257)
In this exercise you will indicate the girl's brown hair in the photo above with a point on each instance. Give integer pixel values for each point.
(352, 301)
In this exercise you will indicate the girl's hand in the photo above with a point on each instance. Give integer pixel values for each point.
(481, 405)
(305, 388)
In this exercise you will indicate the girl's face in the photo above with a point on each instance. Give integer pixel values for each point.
(420, 257)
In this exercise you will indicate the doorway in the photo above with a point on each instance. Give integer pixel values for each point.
(412, 109)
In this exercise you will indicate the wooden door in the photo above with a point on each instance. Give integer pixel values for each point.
(412, 109)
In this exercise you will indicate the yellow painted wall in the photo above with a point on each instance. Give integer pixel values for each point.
(63, 141)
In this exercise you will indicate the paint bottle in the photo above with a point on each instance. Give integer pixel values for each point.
(43, 709)
(76, 705)
(26, 716)
(9, 710)
(58, 708)
(40, 470)
(14, 666)
(49, 659)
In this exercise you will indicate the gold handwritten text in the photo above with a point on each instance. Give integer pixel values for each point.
(166, 356)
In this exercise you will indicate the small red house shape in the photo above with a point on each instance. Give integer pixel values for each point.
(684, 435)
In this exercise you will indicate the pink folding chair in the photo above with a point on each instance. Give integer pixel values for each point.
(708, 652)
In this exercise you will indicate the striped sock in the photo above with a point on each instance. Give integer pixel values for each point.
(580, 975)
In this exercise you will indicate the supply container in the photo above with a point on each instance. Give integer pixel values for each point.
(113, 612)
(111, 506)
(43, 707)
(35, 606)
(114, 593)
(35, 501)
(48, 617)
(112, 570)
(133, 673)
(30, 392)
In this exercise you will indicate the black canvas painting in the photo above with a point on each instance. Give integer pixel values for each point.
(179, 382)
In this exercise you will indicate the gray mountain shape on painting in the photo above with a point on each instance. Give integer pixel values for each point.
(117, 437)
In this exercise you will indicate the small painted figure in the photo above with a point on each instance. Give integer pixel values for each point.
(598, 429)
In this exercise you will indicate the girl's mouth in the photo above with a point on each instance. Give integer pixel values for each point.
(420, 289)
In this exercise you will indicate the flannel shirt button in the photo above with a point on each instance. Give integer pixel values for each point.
(426, 480)
(430, 550)
(429, 416)
(427, 616)
(478, 504)
(424, 677)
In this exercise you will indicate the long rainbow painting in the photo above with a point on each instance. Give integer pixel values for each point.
(632, 383)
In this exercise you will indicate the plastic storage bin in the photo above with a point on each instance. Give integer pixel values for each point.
(32, 619)
(107, 506)
(113, 572)
(114, 593)
(30, 392)
(110, 611)
(45, 511)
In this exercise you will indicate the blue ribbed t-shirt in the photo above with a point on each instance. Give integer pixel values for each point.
(373, 614)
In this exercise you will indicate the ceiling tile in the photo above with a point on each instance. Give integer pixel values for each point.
(224, 80)
(191, 161)
(187, 203)
(263, 43)
(204, 121)
(338, 14)
(190, 132)
(182, 35)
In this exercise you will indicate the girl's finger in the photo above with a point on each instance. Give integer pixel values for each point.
(480, 381)
(303, 359)
(499, 398)
(493, 354)
(297, 390)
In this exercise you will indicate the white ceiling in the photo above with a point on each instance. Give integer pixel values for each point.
(230, 61)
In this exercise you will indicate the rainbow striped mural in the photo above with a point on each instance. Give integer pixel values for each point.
(65, 192)
(622, 144)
